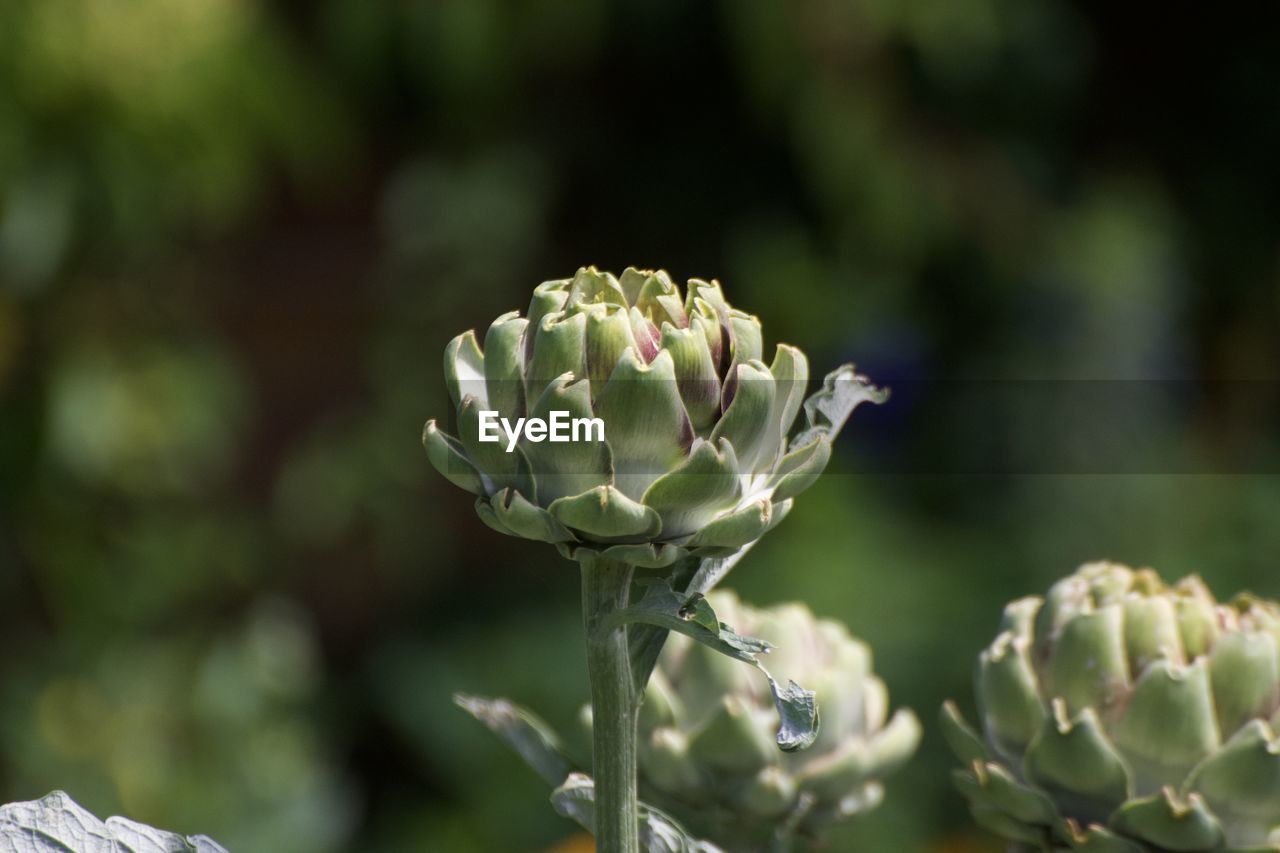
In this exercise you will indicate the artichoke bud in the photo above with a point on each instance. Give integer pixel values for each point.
(1145, 716)
(728, 721)
(643, 379)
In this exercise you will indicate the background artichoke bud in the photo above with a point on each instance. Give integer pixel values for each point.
(709, 756)
(1119, 713)
(694, 457)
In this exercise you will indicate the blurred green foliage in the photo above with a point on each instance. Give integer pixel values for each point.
(235, 236)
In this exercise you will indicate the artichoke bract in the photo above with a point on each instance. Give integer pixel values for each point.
(1122, 714)
(707, 726)
(683, 448)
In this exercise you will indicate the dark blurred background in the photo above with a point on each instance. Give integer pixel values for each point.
(235, 237)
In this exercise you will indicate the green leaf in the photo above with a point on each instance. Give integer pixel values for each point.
(692, 616)
(798, 709)
(531, 738)
(56, 824)
(574, 794)
(659, 833)
(827, 409)
(713, 570)
(646, 641)
(693, 575)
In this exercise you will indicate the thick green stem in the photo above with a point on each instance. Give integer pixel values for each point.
(606, 586)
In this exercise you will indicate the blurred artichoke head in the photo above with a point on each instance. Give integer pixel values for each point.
(1122, 714)
(690, 453)
(707, 729)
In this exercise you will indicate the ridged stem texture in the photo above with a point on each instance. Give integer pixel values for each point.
(606, 585)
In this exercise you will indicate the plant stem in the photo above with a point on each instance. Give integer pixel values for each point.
(606, 586)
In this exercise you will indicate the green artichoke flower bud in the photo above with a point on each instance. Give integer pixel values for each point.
(707, 725)
(683, 444)
(1122, 714)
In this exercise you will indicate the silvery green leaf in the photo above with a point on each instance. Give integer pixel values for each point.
(659, 833)
(646, 641)
(827, 409)
(694, 617)
(57, 824)
(713, 570)
(798, 709)
(523, 731)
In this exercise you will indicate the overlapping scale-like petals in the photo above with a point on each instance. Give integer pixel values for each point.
(1144, 714)
(707, 728)
(684, 446)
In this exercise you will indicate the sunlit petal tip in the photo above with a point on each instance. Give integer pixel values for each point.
(464, 368)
